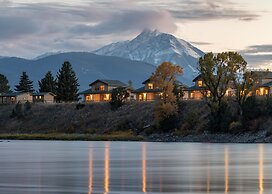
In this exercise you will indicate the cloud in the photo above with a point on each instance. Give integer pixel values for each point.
(14, 27)
(258, 55)
(202, 10)
(201, 43)
(28, 28)
(130, 21)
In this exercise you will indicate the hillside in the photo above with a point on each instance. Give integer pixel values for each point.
(88, 67)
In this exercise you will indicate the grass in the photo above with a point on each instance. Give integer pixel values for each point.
(116, 136)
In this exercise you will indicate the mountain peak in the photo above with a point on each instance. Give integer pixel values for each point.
(154, 47)
(149, 33)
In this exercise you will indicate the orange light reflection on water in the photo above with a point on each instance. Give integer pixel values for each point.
(144, 168)
(106, 169)
(261, 173)
(90, 171)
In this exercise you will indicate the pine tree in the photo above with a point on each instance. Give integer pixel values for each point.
(48, 83)
(67, 84)
(25, 85)
(4, 84)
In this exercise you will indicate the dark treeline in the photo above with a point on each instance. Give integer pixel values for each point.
(65, 85)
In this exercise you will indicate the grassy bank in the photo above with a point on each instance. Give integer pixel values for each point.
(122, 136)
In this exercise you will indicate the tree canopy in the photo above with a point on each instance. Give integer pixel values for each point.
(25, 84)
(67, 83)
(166, 108)
(4, 84)
(48, 83)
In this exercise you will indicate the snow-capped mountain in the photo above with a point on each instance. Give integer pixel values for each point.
(155, 47)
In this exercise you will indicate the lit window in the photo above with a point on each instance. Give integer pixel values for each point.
(106, 97)
(140, 97)
(150, 86)
(40, 97)
(192, 95)
(208, 93)
(36, 97)
(102, 87)
(88, 98)
(200, 83)
(144, 96)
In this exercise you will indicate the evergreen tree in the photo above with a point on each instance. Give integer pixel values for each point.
(4, 84)
(25, 85)
(48, 83)
(67, 84)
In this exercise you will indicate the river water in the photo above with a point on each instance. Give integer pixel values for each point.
(47, 167)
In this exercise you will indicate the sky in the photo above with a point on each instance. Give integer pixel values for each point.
(31, 28)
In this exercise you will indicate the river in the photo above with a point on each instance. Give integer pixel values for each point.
(47, 167)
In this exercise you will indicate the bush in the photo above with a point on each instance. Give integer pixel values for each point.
(17, 111)
(80, 106)
(28, 106)
(235, 126)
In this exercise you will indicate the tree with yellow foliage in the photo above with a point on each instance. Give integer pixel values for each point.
(166, 108)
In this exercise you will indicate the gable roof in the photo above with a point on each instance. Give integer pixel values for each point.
(114, 83)
(146, 81)
(269, 84)
(263, 74)
(43, 93)
(197, 78)
(12, 94)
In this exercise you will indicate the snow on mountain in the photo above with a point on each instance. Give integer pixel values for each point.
(47, 55)
(88, 68)
(155, 47)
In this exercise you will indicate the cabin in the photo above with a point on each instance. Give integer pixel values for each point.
(101, 90)
(264, 83)
(44, 97)
(15, 97)
(197, 91)
(148, 92)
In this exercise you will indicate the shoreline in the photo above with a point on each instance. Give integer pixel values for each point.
(244, 137)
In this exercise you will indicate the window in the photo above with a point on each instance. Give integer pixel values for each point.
(40, 97)
(150, 86)
(106, 97)
(102, 87)
(192, 95)
(199, 83)
(88, 98)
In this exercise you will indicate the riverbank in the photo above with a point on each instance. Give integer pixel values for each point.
(132, 122)
(73, 137)
(245, 137)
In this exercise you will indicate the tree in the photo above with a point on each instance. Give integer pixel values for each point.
(67, 84)
(218, 71)
(118, 97)
(4, 84)
(48, 83)
(166, 107)
(25, 85)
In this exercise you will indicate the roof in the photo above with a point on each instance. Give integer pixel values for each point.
(12, 94)
(263, 74)
(114, 83)
(195, 88)
(146, 81)
(43, 93)
(143, 90)
(197, 78)
(89, 91)
(269, 84)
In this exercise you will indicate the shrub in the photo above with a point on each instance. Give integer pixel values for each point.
(235, 126)
(80, 106)
(28, 106)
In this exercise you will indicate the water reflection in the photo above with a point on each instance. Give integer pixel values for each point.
(144, 168)
(134, 168)
(106, 168)
(261, 173)
(226, 161)
(90, 171)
